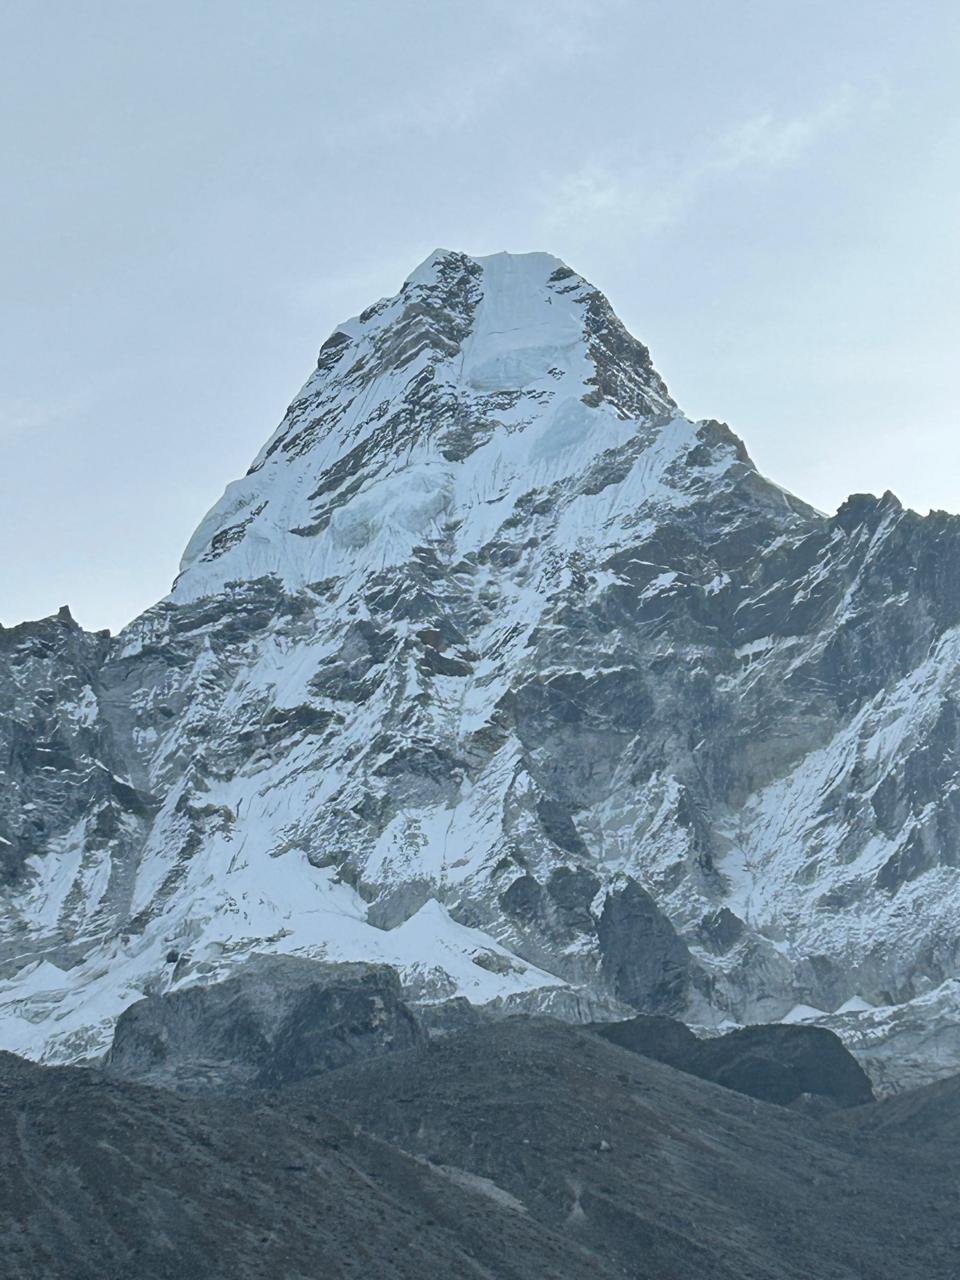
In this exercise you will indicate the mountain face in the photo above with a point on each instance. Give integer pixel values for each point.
(497, 669)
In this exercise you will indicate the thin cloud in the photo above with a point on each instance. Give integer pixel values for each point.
(599, 192)
(764, 141)
(24, 417)
(652, 198)
(535, 35)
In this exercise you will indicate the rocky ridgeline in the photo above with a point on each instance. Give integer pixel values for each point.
(498, 670)
(281, 1019)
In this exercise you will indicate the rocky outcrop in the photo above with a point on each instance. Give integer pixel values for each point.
(654, 1036)
(784, 1065)
(641, 955)
(787, 1065)
(59, 760)
(278, 1019)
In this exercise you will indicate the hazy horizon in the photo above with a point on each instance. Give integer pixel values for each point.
(768, 197)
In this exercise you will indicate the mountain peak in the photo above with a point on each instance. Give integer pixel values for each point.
(498, 669)
(534, 264)
(483, 380)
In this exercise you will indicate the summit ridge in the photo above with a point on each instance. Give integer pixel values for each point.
(471, 352)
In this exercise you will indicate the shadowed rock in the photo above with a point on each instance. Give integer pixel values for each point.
(780, 1064)
(280, 1019)
(664, 1039)
(643, 959)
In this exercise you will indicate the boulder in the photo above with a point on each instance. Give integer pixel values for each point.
(789, 1065)
(281, 1018)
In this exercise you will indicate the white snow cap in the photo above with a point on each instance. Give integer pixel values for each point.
(533, 264)
(501, 349)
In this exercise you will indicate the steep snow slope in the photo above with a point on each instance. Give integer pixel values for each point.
(449, 402)
(497, 668)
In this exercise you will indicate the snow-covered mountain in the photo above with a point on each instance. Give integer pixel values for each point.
(497, 668)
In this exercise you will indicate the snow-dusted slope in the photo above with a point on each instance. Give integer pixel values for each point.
(497, 668)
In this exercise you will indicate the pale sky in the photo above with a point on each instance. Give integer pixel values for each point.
(195, 193)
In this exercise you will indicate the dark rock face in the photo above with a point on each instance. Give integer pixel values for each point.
(279, 1019)
(58, 761)
(779, 1064)
(655, 1036)
(720, 930)
(642, 958)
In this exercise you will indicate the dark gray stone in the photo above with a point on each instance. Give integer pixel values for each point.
(780, 1064)
(278, 1019)
(655, 1036)
(642, 958)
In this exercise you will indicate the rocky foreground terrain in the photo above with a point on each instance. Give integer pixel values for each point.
(497, 669)
(511, 1148)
